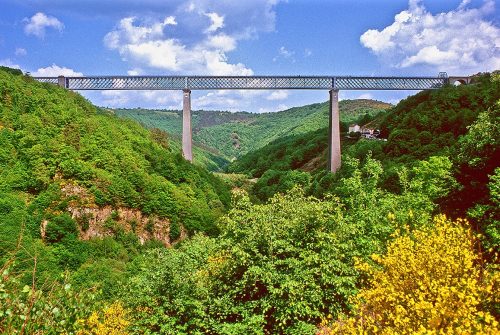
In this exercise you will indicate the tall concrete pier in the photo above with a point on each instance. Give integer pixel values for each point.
(187, 141)
(334, 156)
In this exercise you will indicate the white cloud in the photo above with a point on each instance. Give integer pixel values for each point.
(221, 41)
(230, 101)
(170, 20)
(191, 7)
(284, 53)
(134, 72)
(150, 45)
(365, 96)
(38, 23)
(54, 71)
(282, 107)
(307, 52)
(8, 62)
(431, 55)
(278, 95)
(197, 37)
(263, 110)
(461, 40)
(217, 22)
(115, 99)
(20, 52)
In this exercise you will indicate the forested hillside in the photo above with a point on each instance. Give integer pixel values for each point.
(234, 134)
(104, 229)
(170, 122)
(428, 123)
(85, 191)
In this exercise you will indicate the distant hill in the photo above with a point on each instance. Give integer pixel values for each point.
(235, 134)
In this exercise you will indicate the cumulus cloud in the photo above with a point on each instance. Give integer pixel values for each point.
(285, 53)
(459, 40)
(230, 100)
(197, 37)
(38, 23)
(280, 107)
(152, 45)
(217, 22)
(134, 72)
(115, 99)
(55, 70)
(278, 95)
(170, 20)
(365, 96)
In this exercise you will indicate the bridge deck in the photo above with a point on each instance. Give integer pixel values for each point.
(246, 82)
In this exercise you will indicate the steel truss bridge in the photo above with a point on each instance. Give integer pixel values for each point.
(246, 83)
(189, 83)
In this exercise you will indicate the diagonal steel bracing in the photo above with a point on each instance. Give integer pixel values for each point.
(245, 83)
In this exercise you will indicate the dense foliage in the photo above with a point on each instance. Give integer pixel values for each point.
(430, 122)
(59, 154)
(279, 267)
(452, 110)
(171, 122)
(430, 281)
(48, 134)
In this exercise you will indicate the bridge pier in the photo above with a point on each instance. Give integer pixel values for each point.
(187, 140)
(334, 157)
(61, 81)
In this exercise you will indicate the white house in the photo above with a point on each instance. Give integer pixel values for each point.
(354, 128)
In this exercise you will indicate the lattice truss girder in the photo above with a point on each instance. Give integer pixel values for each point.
(254, 82)
(51, 80)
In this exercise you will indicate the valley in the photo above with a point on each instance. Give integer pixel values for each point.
(106, 229)
(235, 134)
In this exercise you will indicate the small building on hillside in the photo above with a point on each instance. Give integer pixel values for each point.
(354, 128)
(366, 131)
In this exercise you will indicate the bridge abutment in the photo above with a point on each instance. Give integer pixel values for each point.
(334, 158)
(187, 140)
(459, 80)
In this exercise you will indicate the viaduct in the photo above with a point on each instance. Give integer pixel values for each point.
(188, 83)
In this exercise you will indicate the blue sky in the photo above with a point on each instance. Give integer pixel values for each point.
(261, 37)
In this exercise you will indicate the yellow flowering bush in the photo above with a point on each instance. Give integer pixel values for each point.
(429, 282)
(112, 321)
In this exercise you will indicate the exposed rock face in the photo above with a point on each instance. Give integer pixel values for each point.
(94, 221)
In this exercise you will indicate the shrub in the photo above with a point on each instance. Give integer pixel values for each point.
(113, 320)
(60, 227)
(53, 308)
(428, 282)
